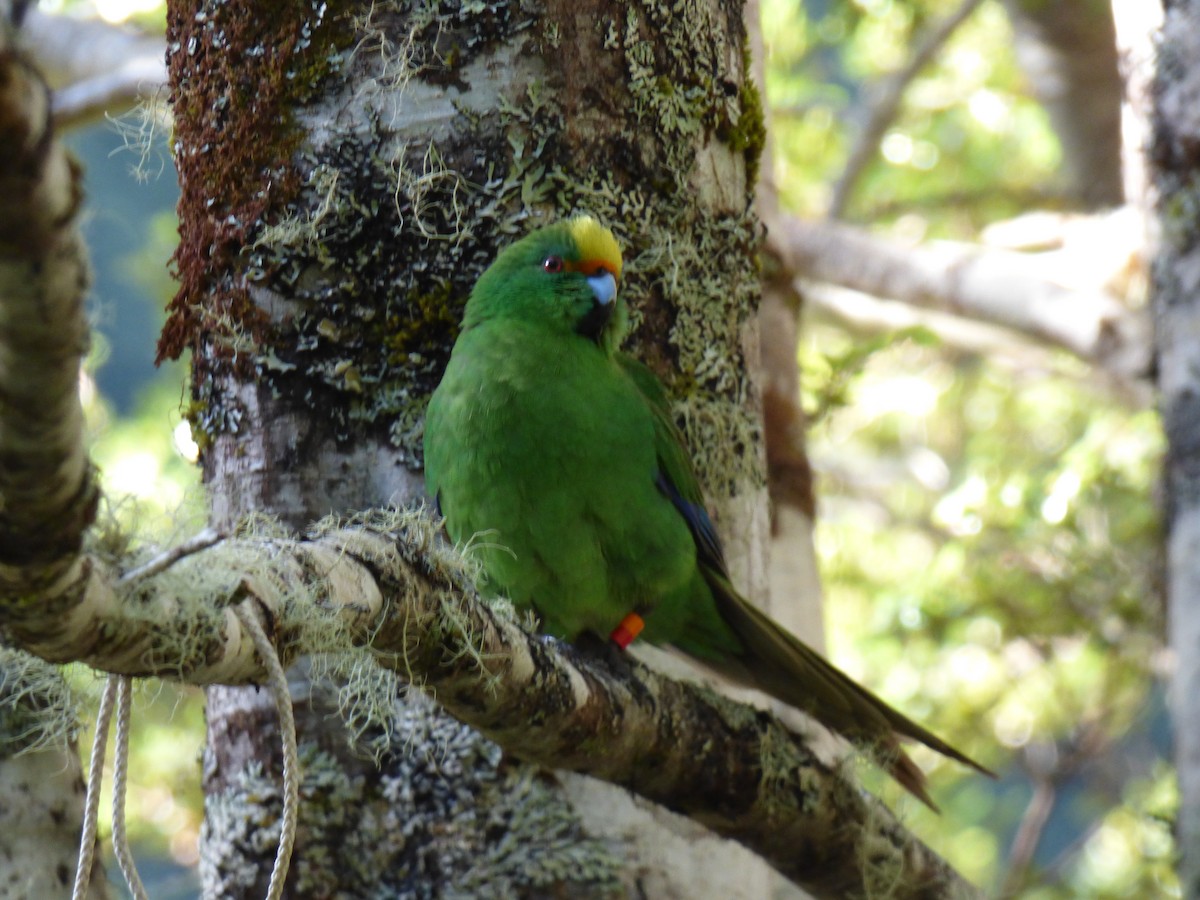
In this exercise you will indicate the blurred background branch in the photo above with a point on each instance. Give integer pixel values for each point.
(884, 99)
(93, 66)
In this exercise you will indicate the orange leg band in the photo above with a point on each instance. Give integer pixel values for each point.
(631, 626)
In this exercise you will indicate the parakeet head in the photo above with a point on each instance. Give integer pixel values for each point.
(563, 276)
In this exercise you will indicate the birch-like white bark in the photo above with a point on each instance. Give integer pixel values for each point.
(46, 492)
(388, 584)
(998, 287)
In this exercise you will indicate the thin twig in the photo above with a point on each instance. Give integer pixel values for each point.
(1048, 776)
(200, 541)
(887, 96)
(1029, 834)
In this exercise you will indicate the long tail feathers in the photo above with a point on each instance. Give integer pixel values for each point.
(780, 664)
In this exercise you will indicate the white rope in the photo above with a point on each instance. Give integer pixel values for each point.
(120, 769)
(91, 805)
(277, 681)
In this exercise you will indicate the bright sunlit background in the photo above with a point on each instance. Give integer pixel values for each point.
(987, 534)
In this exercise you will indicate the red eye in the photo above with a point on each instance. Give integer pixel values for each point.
(552, 264)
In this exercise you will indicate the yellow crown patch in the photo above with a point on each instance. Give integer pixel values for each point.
(595, 242)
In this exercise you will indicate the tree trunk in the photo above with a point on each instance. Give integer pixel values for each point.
(41, 806)
(41, 784)
(795, 586)
(1175, 157)
(1068, 50)
(345, 178)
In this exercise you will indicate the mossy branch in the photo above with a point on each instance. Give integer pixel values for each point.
(47, 495)
(47, 490)
(386, 581)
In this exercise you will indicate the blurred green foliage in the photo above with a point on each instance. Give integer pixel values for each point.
(987, 530)
(990, 553)
(969, 146)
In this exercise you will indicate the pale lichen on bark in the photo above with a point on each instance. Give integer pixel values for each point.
(387, 583)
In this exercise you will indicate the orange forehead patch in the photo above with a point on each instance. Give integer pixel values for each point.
(590, 267)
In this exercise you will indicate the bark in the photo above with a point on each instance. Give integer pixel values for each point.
(795, 598)
(46, 493)
(1068, 50)
(252, 125)
(45, 481)
(1175, 160)
(1137, 26)
(346, 176)
(863, 314)
(386, 582)
(42, 795)
(41, 783)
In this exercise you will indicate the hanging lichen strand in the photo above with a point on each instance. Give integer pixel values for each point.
(354, 226)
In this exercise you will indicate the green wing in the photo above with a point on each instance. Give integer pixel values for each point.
(772, 659)
(676, 478)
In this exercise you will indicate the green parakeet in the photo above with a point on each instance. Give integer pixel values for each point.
(554, 455)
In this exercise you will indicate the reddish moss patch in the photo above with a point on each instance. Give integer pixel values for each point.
(237, 72)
